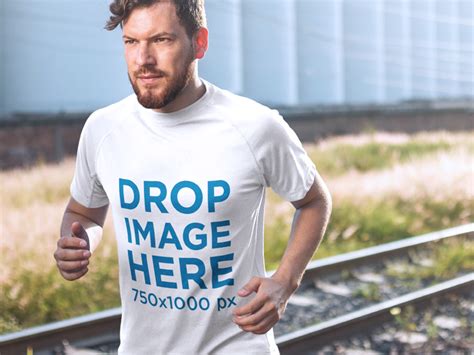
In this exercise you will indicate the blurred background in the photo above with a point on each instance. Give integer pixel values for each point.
(381, 92)
(284, 52)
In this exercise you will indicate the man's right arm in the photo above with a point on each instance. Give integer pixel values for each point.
(81, 232)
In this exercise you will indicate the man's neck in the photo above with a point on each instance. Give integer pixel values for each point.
(189, 95)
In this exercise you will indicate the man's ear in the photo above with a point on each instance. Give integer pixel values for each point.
(201, 43)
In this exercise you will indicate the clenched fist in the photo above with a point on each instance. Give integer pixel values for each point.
(73, 253)
(265, 310)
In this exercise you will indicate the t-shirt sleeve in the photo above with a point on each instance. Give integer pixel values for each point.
(285, 165)
(86, 187)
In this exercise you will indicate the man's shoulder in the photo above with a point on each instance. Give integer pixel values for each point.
(262, 127)
(245, 113)
(105, 119)
(233, 102)
(110, 112)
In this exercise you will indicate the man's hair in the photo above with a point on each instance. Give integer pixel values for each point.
(191, 13)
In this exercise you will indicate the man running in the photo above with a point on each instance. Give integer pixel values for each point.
(184, 165)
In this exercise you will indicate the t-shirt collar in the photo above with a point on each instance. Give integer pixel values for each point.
(177, 117)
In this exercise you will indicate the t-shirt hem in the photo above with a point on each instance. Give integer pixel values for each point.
(84, 200)
(308, 182)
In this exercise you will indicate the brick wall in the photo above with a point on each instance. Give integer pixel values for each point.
(26, 140)
(25, 143)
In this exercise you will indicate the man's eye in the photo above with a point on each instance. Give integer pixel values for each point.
(129, 41)
(161, 40)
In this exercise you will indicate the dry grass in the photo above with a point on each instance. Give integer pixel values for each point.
(341, 155)
(431, 190)
(45, 183)
(32, 201)
(458, 138)
(439, 176)
(31, 205)
(444, 178)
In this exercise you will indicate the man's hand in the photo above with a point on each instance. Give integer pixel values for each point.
(73, 253)
(265, 310)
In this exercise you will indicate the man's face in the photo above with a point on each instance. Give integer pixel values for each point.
(159, 54)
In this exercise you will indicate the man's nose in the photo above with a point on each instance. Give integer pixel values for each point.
(145, 55)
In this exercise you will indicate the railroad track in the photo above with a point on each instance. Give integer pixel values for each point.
(306, 340)
(297, 332)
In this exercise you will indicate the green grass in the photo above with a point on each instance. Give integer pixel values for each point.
(370, 292)
(34, 297)
(276, 238)
(353, 226)
(341, 158)
(405, 318)
(449, 257)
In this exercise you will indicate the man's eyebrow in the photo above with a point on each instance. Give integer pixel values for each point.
(160, 34)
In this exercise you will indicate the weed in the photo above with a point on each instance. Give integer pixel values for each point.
(369, 291)
(404, 319)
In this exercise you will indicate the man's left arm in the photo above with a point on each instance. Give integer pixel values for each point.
(272, 293)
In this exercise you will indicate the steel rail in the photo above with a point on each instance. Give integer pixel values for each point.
(93, 327)
(335, 263)
(307, 339)
(107, 323)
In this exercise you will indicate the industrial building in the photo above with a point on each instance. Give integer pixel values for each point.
(56, 57)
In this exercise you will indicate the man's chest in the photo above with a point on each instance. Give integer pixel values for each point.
(208, 172)
(182, 205)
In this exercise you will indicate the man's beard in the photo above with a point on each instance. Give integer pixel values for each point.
(172, 86)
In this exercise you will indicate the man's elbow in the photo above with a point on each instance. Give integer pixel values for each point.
(323, 203)
(318, 196)
(327, 200)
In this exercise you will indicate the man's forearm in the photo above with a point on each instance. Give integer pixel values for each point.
(309, 225)
(94, 231)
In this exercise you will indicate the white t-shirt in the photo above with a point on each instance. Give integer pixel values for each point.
(187, 193)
